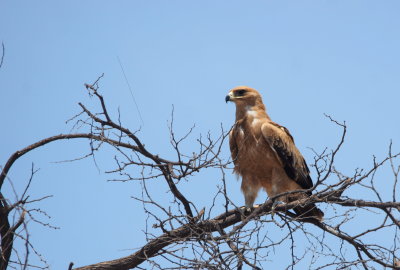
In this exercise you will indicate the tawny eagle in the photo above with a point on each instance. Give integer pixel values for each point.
(265, 155)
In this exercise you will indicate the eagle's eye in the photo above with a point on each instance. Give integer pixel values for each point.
(240, 93)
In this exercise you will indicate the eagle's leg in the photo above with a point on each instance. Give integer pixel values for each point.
(249, 199)
(250, 193)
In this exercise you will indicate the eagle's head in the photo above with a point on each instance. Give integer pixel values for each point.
(244, 95)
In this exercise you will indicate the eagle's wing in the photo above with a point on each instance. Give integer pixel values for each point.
(282, 143)
(232, 142)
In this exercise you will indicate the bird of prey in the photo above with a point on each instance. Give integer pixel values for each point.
(265, 155)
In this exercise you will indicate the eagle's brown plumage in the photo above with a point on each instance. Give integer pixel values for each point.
(265, 155)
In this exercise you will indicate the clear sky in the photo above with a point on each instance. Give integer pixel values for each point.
(307, 58)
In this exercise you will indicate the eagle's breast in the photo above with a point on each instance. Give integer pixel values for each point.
(255, 157)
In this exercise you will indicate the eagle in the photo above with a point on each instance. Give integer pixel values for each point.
(265, 156)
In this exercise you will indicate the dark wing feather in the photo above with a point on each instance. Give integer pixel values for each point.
(280, 140)
(285, 156)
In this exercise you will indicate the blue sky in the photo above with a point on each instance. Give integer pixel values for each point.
(307, 58)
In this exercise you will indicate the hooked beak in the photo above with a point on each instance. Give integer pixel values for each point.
(229, 97)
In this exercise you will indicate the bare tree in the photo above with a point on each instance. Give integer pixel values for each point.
(184, 235)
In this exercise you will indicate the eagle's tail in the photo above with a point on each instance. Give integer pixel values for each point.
(309, 211)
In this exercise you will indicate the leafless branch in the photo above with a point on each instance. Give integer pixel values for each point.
(221, 235)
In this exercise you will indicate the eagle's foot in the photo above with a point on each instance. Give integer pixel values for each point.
(246, 210)
(274, 205)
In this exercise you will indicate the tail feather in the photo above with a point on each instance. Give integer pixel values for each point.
(309, 211)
